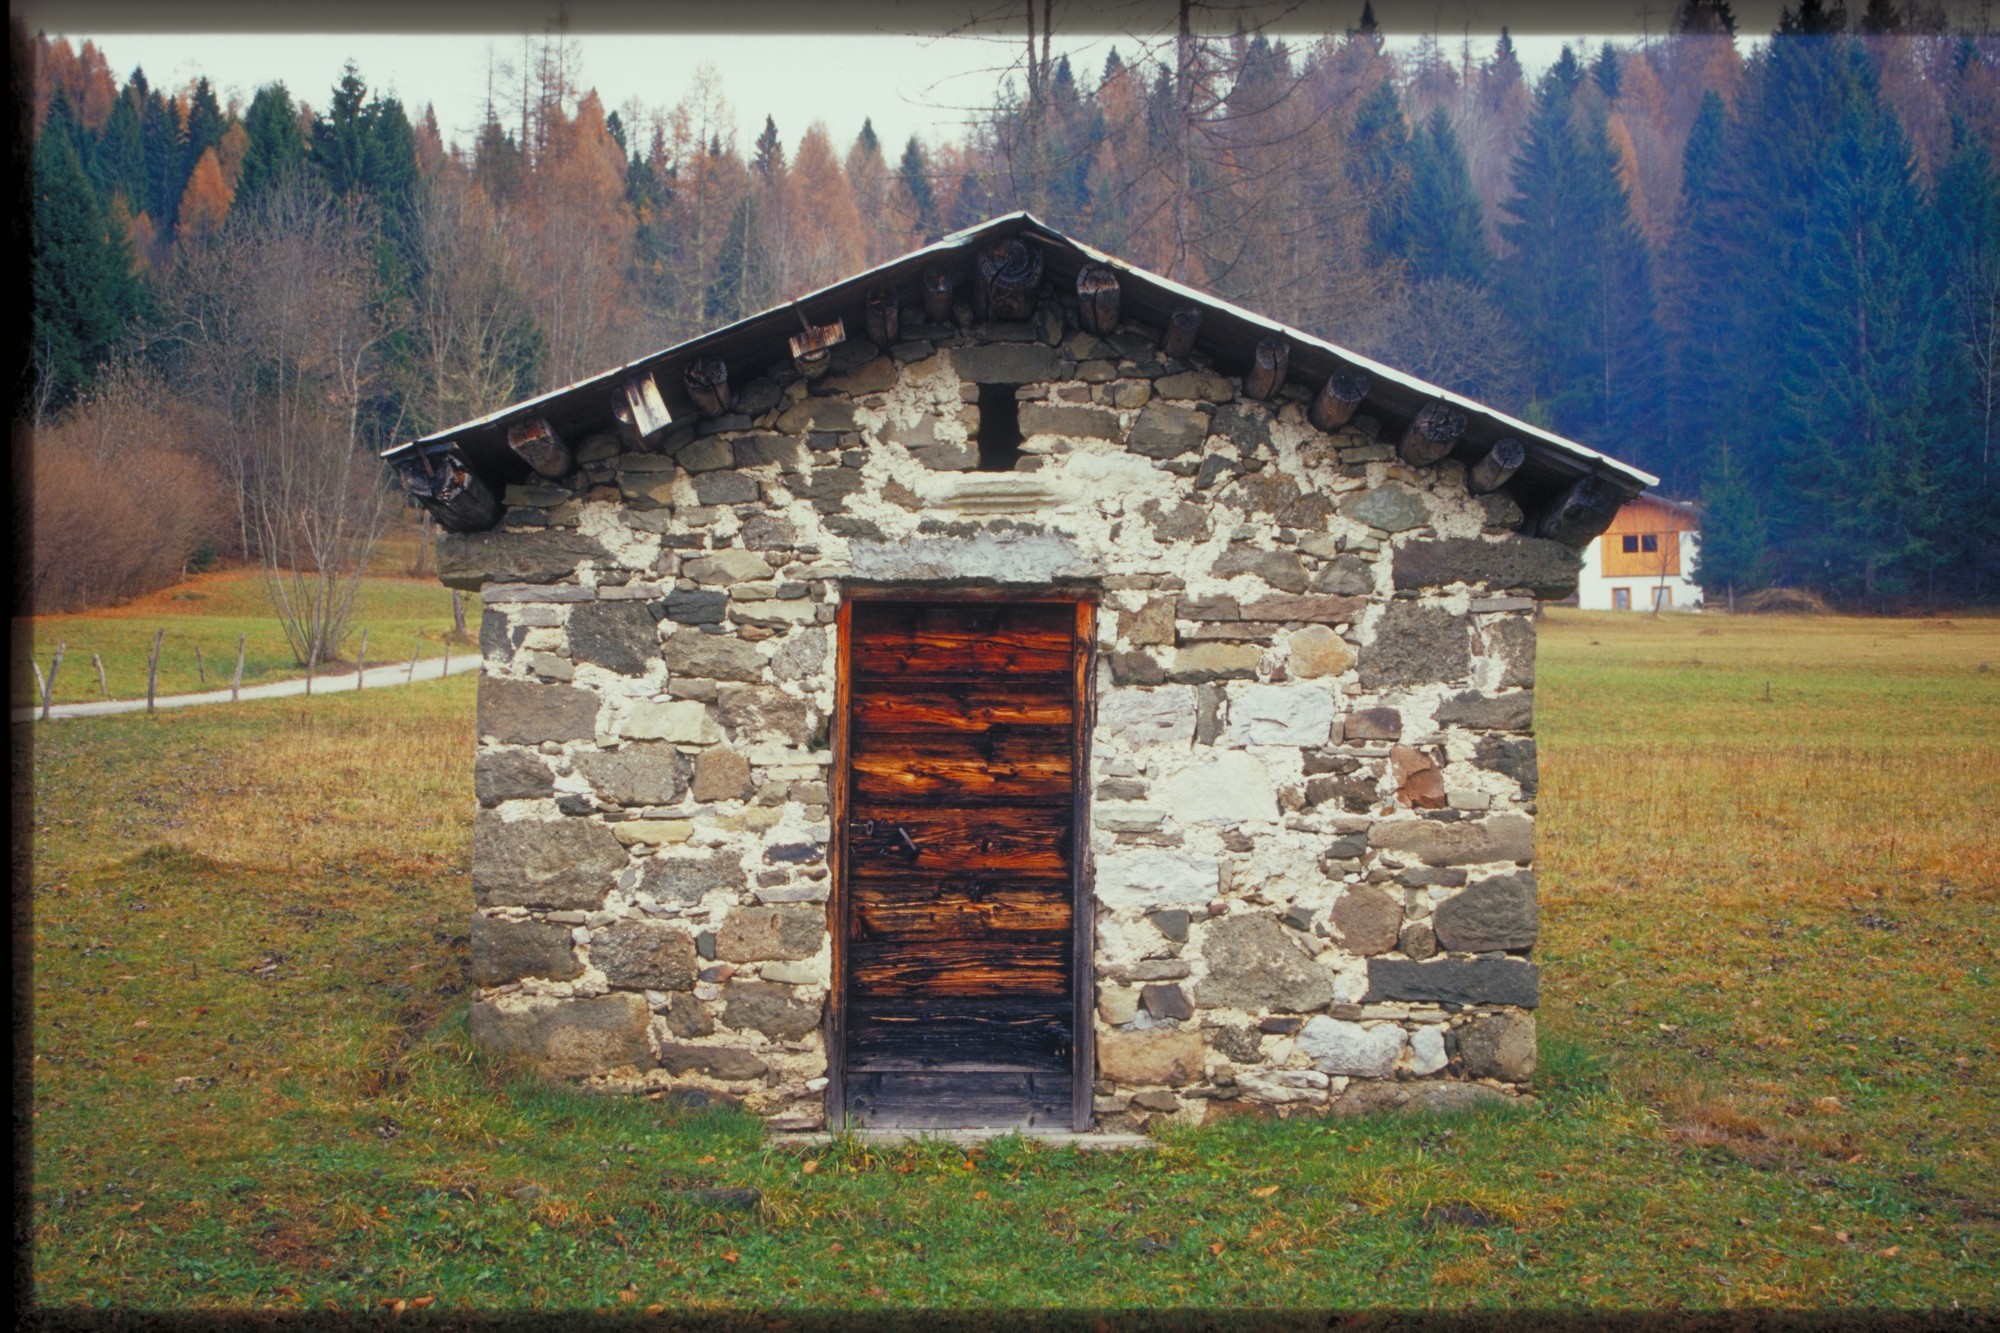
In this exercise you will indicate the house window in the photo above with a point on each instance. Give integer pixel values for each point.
(999, 428)
(1631, 543)
(1663, 599)
(1649, 542)
(1621, 599)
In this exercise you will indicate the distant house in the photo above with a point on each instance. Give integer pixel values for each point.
(1644, 560)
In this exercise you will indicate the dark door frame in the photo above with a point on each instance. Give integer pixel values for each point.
(1083, 926)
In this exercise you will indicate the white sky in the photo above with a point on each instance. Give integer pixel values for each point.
(907, 85)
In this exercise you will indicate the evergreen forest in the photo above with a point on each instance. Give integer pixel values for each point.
(1768, 272)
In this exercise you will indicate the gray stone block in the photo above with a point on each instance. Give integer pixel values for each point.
(1252, 964)
(510, 775)
(1513, 711)
(561, 863)
(1005, 363)
(775, 1011)
(712, 656)
(1455, 981)
(507, 951)
(687, 879)
(637, 775)
(758, 934)
(645, 955)
(1503, 837)
(1499, 1046)
(1546, 568)
(1416, 645)
(569, 1038)
(1495, 913)
(1167, 432)
(466, 560)
(618, 636)
(521, 712)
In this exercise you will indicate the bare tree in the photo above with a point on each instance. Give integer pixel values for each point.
(277, 322)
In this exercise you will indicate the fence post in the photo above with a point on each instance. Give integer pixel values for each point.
(41, 690)
(102, 688)
(200, 667)
(49, 690)
(361, 659)
(312, 660)
(153, 669)
(445, 670)
(412, 675)
(236, 681)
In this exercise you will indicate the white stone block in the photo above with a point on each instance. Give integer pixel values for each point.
(1427, 1050)
(1360, 1049)
(684, 721)
(1228, 787)
(1291, 714)
(1281, 1086)
(1143, 879)
(1163, 716)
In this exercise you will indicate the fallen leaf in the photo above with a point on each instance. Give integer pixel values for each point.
(1852, 1160)
(809, 1167)
(704, 1161)
(1266, 1192)
(628, 1296)
(729, 1256)
(1842, 1237)
(421, 1301)
(1215, 1248)
(656, 1308)
(981, 1194)
(1891, 1252)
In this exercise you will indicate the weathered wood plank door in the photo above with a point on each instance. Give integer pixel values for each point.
(962, 952)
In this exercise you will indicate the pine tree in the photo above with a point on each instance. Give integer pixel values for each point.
(770, 160)
(722, 302)
(277, 148)
(1378, 164)
(86, 298)
(1699, 299)
(1580, 280)
(1733, 553)
(1605, 72)
(1442, 229)
(914, 173)
(1869, 395)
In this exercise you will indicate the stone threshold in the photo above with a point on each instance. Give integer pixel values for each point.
(967, 1138)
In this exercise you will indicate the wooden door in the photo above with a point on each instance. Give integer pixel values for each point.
(962, 953)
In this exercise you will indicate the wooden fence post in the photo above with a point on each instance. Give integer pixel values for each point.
(361, 659)
(414, 648)
(49, 690)
(236, 681)
(312, 660)
(458, 613)
(153, 669)
(41, 689)
(200, 667)
(445, 670)
(102, 688)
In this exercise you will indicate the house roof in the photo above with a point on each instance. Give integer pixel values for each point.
(1229, 334)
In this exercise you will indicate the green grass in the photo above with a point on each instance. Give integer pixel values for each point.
(208, 612)
(1767, 1066)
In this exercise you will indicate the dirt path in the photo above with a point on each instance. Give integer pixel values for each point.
(430, 668)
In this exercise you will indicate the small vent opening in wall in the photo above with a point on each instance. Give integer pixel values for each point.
(999, 428)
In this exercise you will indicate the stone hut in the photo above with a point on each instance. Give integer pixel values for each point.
(1009, 688)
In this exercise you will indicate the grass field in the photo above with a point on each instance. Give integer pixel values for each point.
(208, 612)
(1768, 1071)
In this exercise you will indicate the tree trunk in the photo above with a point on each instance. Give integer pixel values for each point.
(1008, 280)
(1267, 368)
(1182, 326)
(707, 381)
(536, 443)
(884, 317)
(1500, 463)
(1338, 399)
(1432, 433)
(1097, 298)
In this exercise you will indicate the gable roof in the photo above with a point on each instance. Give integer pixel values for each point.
(1229, 334)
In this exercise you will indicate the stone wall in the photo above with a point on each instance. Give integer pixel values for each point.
(1312, 779)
